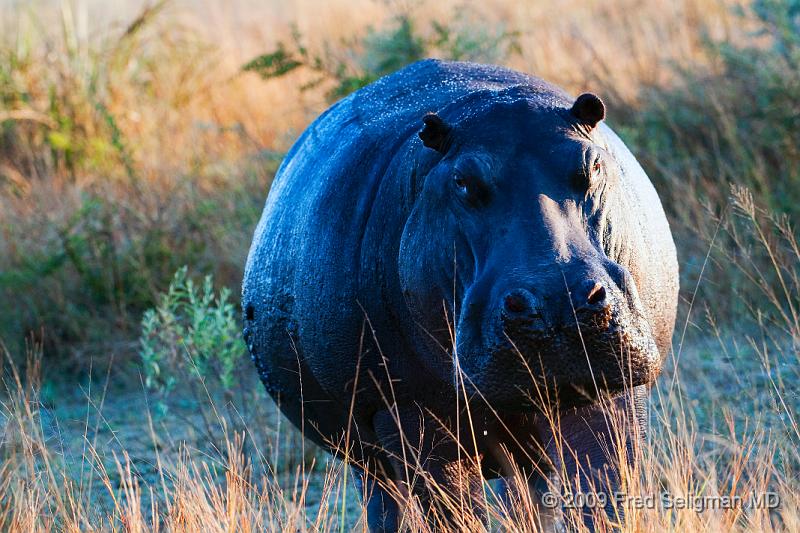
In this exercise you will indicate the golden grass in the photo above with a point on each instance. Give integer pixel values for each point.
(233, 490)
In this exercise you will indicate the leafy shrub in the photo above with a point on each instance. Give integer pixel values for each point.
(192, 332)
(381, 52)
(192, 353)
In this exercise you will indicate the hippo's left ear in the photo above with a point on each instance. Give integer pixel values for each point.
(589, 109)
(436, 133)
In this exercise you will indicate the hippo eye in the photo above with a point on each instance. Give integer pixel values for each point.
(471, 189)
(595, 167)
(587, 177)
(461, 183)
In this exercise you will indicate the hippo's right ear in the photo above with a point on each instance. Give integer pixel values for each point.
(436, 133)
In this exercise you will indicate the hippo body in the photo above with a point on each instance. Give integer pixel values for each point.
(398, 275)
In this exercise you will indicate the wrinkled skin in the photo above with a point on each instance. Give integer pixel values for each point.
(525, 247)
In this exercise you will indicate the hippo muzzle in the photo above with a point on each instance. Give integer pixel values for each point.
(563, 339)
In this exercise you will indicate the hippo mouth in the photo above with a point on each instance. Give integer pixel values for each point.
(567, 366)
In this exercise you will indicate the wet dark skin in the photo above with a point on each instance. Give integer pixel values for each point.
(459, 235)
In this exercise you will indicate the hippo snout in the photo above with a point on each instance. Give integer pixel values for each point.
(578, 329)
(587, 298)
(520, 307)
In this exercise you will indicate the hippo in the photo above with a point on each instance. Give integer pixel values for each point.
(442, 251)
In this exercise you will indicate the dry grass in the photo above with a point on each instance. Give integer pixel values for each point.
(753, 451)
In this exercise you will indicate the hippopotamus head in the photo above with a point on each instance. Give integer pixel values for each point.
(504, 258)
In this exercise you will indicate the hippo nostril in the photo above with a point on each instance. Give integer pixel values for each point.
(514, 303)
(596, 295)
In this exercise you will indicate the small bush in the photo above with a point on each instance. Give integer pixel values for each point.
(192, 353)
(192, 332)
(381, 52)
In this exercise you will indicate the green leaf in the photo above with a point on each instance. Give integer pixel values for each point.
(274, 64)
(59, 140)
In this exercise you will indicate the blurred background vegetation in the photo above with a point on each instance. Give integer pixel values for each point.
(138, 141)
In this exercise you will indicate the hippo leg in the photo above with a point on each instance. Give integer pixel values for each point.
(541, 516)
(439, 471)
(382, 509)
(586, 450)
